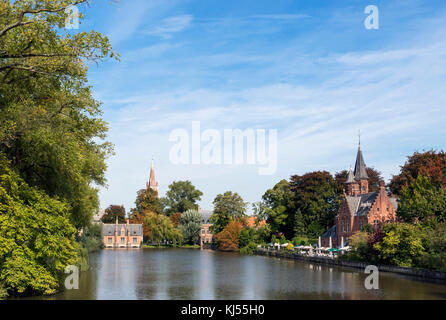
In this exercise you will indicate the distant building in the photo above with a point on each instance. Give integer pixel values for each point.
(206, 236)
(359, 206)
(251, 222)
(152, 183)
(98, 216)
(122, 235)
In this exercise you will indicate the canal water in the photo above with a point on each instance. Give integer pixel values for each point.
(194, 274)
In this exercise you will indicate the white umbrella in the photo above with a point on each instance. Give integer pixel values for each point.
(330, 243)
(319, 242)
(342, 242)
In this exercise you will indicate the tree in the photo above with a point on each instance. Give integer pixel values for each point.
(401, 244)
(422, 201)
(318, 196)
(50, 124)
(36, 236)
(112, 212)
(374, 175)
(162, 229)
(190, 226)
(431, 164)
(228, 239)
(176, 219)
(435, 244)
(137, 217)
(182, 196)
(278, 208)
(228, 206)
(147, 200)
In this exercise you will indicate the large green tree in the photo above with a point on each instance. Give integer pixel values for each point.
(147, 200)
(227, 206)
(50, 124)
(190, 226)
(162, 229)
(422, 201)
(36, 236)
(278, 208)
(318, 196)
(181, 196)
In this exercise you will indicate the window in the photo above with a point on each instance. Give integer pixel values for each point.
(360, 224)
(122, 240)
(203, 231)
(122, 232)
(377, 209)
(110, 240)
(387, 209)
(363, 188)
(134, 240)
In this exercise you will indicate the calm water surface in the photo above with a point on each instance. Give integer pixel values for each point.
(195, 274)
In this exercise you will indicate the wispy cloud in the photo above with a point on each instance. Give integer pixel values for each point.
(171, 25)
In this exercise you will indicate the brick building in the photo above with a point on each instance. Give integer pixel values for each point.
(359, 206)
(122, 235)
(206, 236)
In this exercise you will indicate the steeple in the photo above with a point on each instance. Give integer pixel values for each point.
(350, 176)
(360, 167)
(152, 183)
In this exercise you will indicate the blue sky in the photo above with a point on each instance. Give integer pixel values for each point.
(309, 69)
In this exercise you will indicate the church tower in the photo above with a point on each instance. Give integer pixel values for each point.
(152, 183)
(360, 172)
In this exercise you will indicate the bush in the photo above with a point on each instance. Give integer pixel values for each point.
(3, 292)
(360, 250)
(249, 249)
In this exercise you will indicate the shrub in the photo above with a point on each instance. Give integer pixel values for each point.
(249, 249)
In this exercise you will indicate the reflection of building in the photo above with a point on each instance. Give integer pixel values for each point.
(122, 235)
(359, 206)
(206, 236)
(152, 183)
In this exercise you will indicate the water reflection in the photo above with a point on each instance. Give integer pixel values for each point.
(194, 274)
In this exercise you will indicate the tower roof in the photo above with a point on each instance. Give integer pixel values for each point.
(350, 176)
(360, 167)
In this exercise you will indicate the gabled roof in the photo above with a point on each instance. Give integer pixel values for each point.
(360, 167)
(360, 205)
(108, 229)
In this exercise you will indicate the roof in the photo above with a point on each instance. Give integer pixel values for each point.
(360, 167)
(360, 205)
(350, 176)
(251, 222)
(108, 229)
(330, 233)
(206, 215)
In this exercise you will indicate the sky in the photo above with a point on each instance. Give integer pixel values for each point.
(309, 69)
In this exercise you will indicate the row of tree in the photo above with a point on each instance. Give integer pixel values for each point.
(52, 148)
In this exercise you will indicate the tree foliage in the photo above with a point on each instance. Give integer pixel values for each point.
(162, 229)
(228, 239)
(50, 124)
(147, 200)
(431, 164)
(228, 206)
(190, 226)
(422, 201)
(181, 196)
(36, 236)
(112, 212)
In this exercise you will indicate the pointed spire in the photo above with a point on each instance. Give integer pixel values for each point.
(360, 167)
(350, 176)
(152, 184)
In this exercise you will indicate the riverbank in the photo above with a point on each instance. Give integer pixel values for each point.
(423, 274)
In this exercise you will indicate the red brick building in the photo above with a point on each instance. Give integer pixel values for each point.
(122, 235)
(359, 206)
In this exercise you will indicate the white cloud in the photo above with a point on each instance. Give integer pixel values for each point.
(171, 25)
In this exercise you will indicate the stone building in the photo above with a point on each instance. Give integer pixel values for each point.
(359, 206)
(122, 235)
